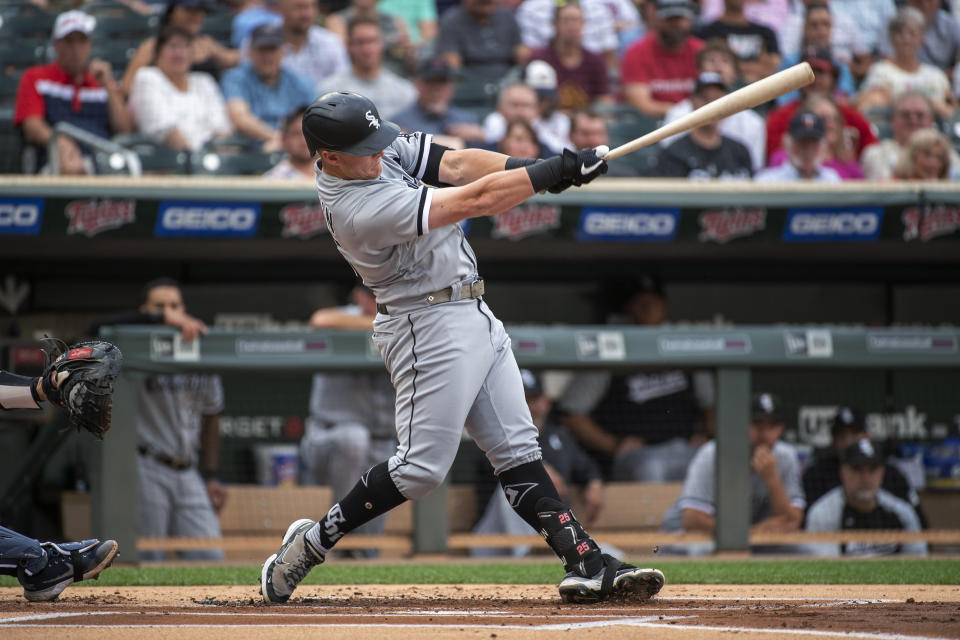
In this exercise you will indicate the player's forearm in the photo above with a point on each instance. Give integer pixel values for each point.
(210, 444)
(698, 521)
(487, 196)
(19, 392)
(779, 501)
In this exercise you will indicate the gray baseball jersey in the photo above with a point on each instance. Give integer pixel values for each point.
(699, 488)
(831, 513)
(382, 229)
(451, 364)
(171, 411)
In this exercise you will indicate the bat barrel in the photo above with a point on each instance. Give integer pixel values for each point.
(748, 97)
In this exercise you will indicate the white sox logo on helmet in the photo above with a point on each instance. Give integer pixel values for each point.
(372, 119)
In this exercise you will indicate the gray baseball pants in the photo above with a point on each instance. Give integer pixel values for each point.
(451, 365)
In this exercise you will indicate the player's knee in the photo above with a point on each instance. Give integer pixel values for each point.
(414, 482)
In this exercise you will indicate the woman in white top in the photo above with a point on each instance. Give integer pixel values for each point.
(903, 71)
(180, 108)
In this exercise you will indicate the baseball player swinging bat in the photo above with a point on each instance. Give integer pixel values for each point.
(747, 97)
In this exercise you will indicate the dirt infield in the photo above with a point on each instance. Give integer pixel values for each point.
(501, 612)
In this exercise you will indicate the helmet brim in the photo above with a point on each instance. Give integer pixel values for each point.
(375, 142)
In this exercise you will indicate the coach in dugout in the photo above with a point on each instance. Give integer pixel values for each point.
(72, 89)
(860, 503)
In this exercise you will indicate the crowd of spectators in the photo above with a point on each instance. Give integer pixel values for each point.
(882, 105)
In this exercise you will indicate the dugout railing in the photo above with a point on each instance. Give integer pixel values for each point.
(734, 353)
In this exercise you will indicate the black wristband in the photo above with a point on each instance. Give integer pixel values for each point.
(545, 174)
(209, 474)
(516, 163)
(33, 391)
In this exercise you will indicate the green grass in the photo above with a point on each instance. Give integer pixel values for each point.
(881, 571)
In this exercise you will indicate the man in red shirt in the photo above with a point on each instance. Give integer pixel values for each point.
(660, 70)
(825, 82)
(71, 89)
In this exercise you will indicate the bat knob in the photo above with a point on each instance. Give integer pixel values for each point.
(602, 151)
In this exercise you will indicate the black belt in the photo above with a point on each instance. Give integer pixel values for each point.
(473, 290)
(178, 464)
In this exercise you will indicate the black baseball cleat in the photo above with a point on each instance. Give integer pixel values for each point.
(614, 579)
(284, 570)
(67, 562)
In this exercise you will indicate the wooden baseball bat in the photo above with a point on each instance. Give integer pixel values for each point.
(747, 97)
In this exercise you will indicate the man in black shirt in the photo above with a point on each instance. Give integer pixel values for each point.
(847, 428)
(758, 54)
(860, 503)
(704, 153)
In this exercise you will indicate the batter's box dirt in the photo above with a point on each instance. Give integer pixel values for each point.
(375, 612)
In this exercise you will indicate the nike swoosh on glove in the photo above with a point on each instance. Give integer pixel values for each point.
(581, 167)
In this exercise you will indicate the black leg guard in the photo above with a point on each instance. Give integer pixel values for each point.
(373, 495)
(568, 539)
(524, 486)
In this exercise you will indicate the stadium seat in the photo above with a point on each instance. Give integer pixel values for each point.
(219, 26)
(117, 52)
(108, 8)
(16, 56)
(125, 28)
(236, 164)
(10, 140)
(475, 94)
(154, 157)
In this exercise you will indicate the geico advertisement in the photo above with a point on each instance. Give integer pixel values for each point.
(207, 219)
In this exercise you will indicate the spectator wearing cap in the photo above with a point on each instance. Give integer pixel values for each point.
(588, 130)
(857, 126)
(704, 153)
(912, 112)
(179, 108)
(261, 93)
(847, 428)
(776, 497)
(640, 426)
(660, 70)
(941, 35)
(432, 111)
(904, 71)
(298, 163)
(755, 45)
(860, 503)
(839, 153)
(815, 49)
(604, 22)
(806, 148)
(846, 43)
(367, 75)
(746, 127)
(72, 89)
(567, 464)
(481, 39)
(581, 75)
(396, 36)
(206, 54)
(551, 124)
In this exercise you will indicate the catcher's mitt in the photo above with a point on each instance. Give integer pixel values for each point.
(81, 380)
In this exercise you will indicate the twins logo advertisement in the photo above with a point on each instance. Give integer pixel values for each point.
(302, 221)
(21, 216)
(526, 220)
(723, 225)
(94, 216)
(930, 222)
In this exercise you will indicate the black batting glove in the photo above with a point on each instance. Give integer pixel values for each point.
(585, 165)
